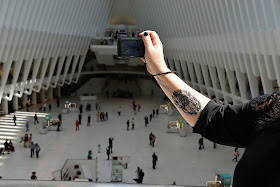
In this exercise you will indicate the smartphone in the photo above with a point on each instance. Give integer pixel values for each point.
(130, 47)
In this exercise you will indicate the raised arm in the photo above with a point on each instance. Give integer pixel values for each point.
(188, 101)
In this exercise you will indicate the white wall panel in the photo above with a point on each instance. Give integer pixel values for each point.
(33, 32)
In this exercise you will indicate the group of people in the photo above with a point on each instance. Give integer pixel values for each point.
(8, 147)
(128, 124)
(101, 116)
(152, 115)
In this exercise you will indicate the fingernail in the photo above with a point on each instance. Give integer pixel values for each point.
(145, 34)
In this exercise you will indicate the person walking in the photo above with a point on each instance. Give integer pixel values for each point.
(132, 124)
(37, 150)
(157, 112)
(108, 153)
(25, 140)
(80, 119)
(30, 140)
(139, 107)
(32, 147)
(155, 159)
(58, 125)
(59, 117)
(201, 144)
(57, 102)
(14, 118)
(146, 120)
(88, 120)
(99, 148)
(36, 119)
(153, 140)
(119, 110)
(27, 126)
(111, 144)
(106, 114)
(127, 125)
(77, 125)
(44, 106)
(27, 107)
(50, 107)
(89, 154)
(151, 116)
(81, 108)
(236, 154)
(154, 112)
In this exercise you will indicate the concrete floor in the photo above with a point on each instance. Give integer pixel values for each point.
(179, 157)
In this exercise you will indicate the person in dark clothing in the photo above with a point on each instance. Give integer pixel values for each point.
(57, 102)
(58, 125)
(106, 114)
(151, 116)
(33, 176)
(88, 120)
(50, 107)
(81, 109)
(201, 145)
(253, 125)
(89, 154)
(60, 117)
(157, 112)
(139, 107)
(27, 107)
(108, 153)
(6, 146)
(146, 120)
(111, 144)
(214, 145)
(80, 119)
(14, 118)
(155, 159)
(154, 112)
(127, 125)
(141, 176)
(36, 119)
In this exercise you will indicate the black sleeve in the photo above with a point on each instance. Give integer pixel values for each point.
(226, 124)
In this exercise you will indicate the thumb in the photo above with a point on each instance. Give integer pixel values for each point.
(147, 41)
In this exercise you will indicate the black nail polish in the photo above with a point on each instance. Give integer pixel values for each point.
(145, 34)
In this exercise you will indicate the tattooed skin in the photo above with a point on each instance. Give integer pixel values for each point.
(186, 102)
(183, 99)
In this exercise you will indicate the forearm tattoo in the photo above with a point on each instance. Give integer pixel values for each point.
(183, 99)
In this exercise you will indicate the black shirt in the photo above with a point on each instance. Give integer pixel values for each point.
(254, 125)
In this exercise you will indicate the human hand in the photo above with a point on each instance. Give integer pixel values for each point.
(153, 52)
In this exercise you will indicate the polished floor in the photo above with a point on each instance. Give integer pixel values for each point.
(179, 157)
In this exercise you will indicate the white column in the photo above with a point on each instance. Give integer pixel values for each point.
(15, 103)
(34, 98)
(5, 106)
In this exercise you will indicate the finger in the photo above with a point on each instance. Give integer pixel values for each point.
(148, 42)
(154, 36)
